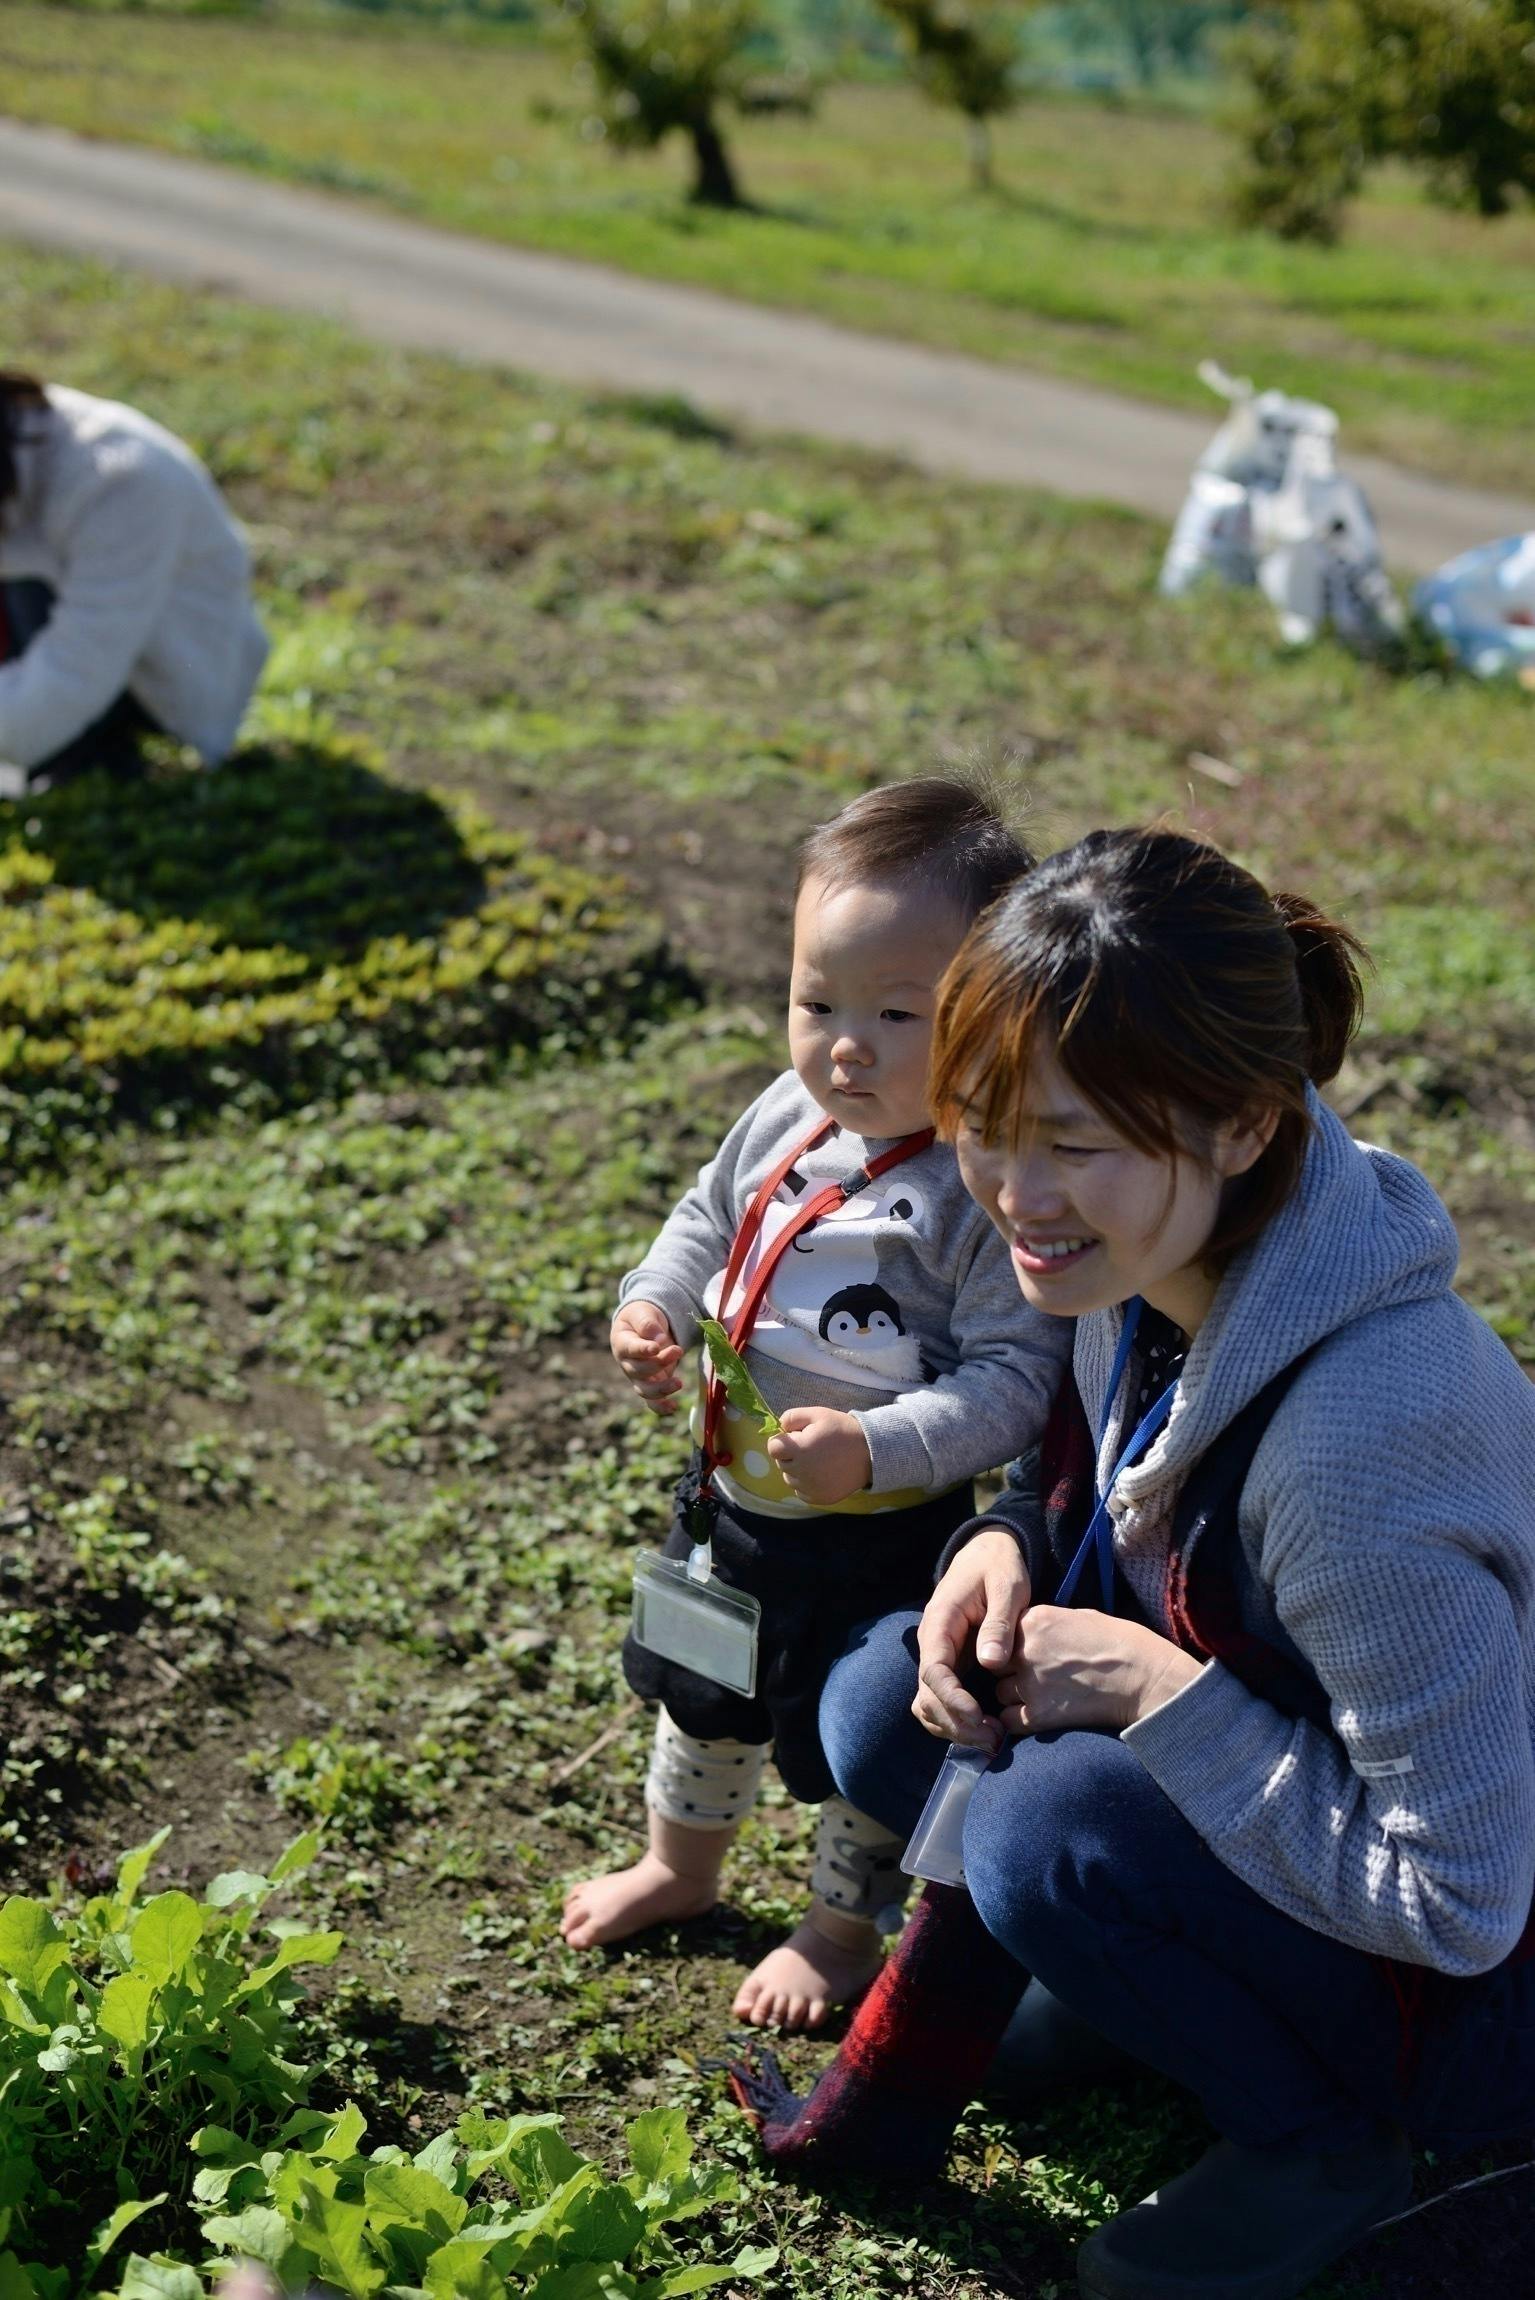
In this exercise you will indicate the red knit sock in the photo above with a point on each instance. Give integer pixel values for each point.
(917, 2050)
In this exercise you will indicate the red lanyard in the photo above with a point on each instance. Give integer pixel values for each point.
(818, 1203)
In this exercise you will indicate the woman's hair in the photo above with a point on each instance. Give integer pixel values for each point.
(1175, 993)
(20, 395)
(934, 831)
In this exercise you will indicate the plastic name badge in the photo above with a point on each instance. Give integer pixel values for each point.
(690, 1617)
(936, 1851)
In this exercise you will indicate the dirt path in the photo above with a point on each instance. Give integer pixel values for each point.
(409, 284)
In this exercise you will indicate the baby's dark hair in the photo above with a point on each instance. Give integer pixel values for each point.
(934, 831)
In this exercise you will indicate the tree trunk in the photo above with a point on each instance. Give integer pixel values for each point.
(714, 185)
(978, 129)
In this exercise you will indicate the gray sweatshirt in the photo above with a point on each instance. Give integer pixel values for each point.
(1388, 1543)
(899, 1307)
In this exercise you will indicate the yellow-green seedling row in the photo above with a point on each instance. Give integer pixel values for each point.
(294, 924)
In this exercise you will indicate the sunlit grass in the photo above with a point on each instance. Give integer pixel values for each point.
(1103, 254)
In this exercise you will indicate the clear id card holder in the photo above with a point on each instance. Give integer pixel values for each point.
(684, 1614)
(936, 1851)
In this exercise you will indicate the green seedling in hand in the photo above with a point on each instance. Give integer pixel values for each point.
(741, 1390)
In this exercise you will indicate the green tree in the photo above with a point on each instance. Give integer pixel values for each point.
(664, 67)
(964, 54)
(1334, 86)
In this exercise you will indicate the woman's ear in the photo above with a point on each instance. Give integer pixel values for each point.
(1241, 1142)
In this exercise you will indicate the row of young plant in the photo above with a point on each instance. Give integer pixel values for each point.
(296, 925)
(152, 2091)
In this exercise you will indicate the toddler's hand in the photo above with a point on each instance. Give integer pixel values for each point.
(649, 1353)
(824, 1455)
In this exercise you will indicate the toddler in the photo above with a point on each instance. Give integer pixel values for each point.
(890, 1341)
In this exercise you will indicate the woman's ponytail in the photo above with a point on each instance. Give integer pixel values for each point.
(1327, 963)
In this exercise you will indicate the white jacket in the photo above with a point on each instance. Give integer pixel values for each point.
(152, 583)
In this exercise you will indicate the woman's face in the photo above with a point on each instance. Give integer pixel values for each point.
(1090, 1219)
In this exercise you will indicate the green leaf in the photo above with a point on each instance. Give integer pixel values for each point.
(344, 2135)
(218, 2143)
(583, 2280)
(257, 2233)
(296, 1856)
(533, 2154)
(165, 1934)
(739, 1387)
(15, 2012)
(405, 2193)
(31, 1946)
(112, 2227)
(461, 2271)
(123, 2013)
(58, 2059)
(133, 1868)
(15, 2283)
(439, 2157)
(659, 2147)
(236, 1885)
(592, 2220)
(301, 1949)
(756, 2260)
(336, 2233)
(158, 2279)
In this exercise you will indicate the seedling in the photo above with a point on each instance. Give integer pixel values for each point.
(741, 1390)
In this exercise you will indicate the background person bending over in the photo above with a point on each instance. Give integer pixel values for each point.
(1262, 1804)
(124, 589)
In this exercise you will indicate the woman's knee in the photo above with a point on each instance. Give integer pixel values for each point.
(1060, 1821)
(871, 1740)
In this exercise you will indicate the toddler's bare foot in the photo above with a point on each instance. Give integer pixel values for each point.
(827, 1960)
(611, 1908)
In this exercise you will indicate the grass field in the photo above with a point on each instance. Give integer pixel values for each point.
(1103, 255)
(318, 1490)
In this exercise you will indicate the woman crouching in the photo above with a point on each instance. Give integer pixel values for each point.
(1253, 1645)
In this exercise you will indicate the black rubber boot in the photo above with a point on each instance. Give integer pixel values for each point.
(1048, 2052)
(1246, 2223)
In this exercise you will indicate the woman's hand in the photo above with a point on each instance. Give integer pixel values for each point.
(978, 1605)
(823, 1455)
(1072, 1666)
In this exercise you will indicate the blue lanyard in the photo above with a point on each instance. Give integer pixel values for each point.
(1100, 1531)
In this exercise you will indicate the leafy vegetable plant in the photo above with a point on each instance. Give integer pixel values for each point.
(123, 2026)
(318, 2209)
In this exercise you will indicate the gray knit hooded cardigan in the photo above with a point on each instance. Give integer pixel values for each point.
(1387, 1543)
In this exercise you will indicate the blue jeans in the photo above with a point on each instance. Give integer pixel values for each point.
(1090, 1876)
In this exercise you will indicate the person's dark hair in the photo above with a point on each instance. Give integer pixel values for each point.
(1176, 994)
(935, 830)
(20, 396)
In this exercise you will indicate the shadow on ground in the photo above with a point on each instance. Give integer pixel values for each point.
(305, 847)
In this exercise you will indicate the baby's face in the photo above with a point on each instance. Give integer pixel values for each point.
(866, 965)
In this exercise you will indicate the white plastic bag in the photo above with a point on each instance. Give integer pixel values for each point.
(1318, 554)
(1267, 504)
(1483, 607)
(1248, 456)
